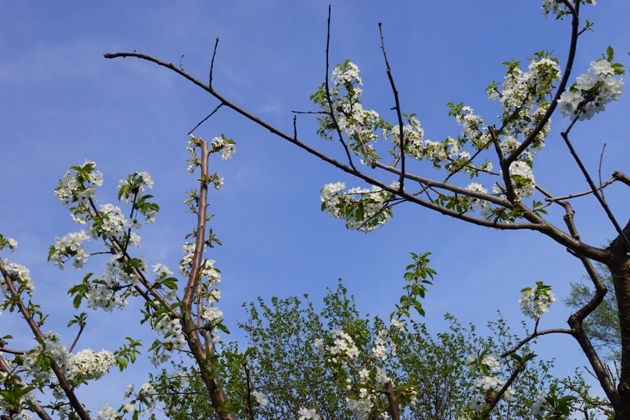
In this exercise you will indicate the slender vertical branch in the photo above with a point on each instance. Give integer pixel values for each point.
(328, 98)
(214, 54)
(190, 329)
(596, 193)
(401, 127)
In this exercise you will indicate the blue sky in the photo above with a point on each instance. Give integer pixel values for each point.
(62, 103)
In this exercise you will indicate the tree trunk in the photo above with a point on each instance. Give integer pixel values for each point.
(619, 265)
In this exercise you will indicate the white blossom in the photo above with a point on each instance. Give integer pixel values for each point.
(308, 414)
(261, 399)
(591, 91)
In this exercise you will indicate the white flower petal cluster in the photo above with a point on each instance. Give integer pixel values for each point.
(70, 245)
(535, 302)
(227, 147)
(113, 222)
(308, 414)
(485, 206)
(473, 126)
(591, 91)
(362, 209)
(260, 398)
(381, 376)
(107, 413)
(211, 313)
(555, 6)
(343, 112)
(361, 406)
(540, 406)
(343, 345)
(12, 243)
(143, 402)
(162, 270)
(103, 294)
(379, 350)
(492, 361)
(52, 348)
(74, 189)
(414, 134)
(86, 365)
(523, 181)
(171, 329)
(488, 384)
(19, 274)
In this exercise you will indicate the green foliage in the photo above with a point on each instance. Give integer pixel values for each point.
(430, 372)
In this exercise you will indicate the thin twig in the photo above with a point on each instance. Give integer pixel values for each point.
(211, 72)
(601, 159)
(205, 119)
(591, 184)
(401, 127)
(328, 98)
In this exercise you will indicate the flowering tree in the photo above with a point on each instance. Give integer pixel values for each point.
(499, 155)
(187, 321)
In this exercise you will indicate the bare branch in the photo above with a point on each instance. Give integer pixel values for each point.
(621, 177)
(532, 336)
(211, 72)
(401, 131)
(591, 184)
(205, 119)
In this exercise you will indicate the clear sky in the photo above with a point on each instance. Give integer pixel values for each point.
(62, 103)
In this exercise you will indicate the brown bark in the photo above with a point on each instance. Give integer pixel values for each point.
(619, 265)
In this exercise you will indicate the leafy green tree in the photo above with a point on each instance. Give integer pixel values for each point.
(286, 370)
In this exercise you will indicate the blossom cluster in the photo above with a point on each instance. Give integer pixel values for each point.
(556, 7)
(340, 344)
(486, 386)
(308, 414)
(80, 367)
(78, 186)
(21, 276)
(226, 146)
(591, 91)
(8, 242)
(141, 402)
(540, 406)
(522, 179)
(340, 349)
(534, 302)
(362, 209)
(88, 365)
(103, 293)
(525, 95)
(344, 113)
(223, 145)
(171, 330)
(70, 245)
